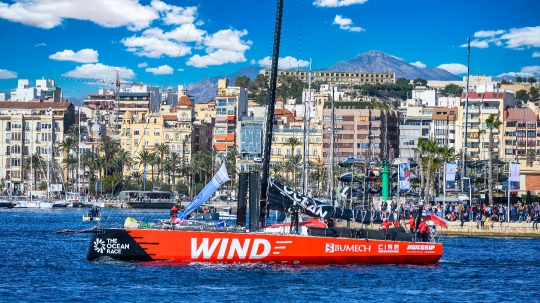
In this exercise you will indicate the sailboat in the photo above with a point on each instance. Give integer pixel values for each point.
(314, 242)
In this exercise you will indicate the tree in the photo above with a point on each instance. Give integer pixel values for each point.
(492, 123)
(452, 89)
(242, 81)
(503, 81)
(261, 81)
(519, 79)
(530, 156)
(402, 82)
(144, 158)
(522, 95)
(162, 150)
(37, 162)
(531, 80)
(419, 82)
(533, 93)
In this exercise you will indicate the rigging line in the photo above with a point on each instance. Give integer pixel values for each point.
(378, 39)
(177, 56)
(300, 38)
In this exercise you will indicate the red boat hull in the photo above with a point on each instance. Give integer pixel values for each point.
(227, 247)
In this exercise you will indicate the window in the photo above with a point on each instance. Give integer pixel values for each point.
(136, 132)
(156, 131)
(279, 151)
(509, 151)
(271, 152)
(147, 132)
(408, 143)
(298, 152)
(146, 143)
(288, 153)
(136, 142)
(128, 142)
(315, 152)
(136, 166)
(425, 131)
(156, 142)
(485, 144)
(511, 124)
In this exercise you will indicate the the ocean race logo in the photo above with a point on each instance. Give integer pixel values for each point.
(99, 245)
(421, 247)
(388, 248)
(109, 246)
(334, 248)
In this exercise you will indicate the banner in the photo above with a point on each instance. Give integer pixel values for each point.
(55, 187)
(207, 192)
(404, 176)
(450, 177)
(514, 177)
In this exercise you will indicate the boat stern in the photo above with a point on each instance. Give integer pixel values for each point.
(117, 244)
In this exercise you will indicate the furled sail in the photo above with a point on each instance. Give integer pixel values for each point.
(281, 198)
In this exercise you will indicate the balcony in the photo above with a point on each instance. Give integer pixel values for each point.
(8, 127)
(26, 128)
(8, 140)
(38, 128)
(57, 129)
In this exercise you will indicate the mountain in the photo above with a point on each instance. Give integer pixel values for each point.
(382, 62)
(206, 89)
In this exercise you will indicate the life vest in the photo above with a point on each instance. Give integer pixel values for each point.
(397, 223)
(423, 227)
(173, 211)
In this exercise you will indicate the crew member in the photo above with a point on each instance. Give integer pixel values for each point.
(423, 228)
(329, 222)
(293, 210)
(385, 224)
(174, 211)
(412, 223)
(397, 222)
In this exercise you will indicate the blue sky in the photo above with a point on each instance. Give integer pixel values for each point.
(163, 42)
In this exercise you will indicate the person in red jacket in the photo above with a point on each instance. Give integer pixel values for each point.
(173, 212)
(385, 224)
(423, 228)
(397, 223)
(412, 223)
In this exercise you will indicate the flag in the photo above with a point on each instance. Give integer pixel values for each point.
(513, 179)
(450, 176)
(436, 219)
(404, 176)
(207, 192)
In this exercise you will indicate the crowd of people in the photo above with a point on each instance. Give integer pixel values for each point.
(483, 215)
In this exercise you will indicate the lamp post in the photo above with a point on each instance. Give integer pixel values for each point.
(470, 194)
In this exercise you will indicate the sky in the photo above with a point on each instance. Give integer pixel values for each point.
(81, 43)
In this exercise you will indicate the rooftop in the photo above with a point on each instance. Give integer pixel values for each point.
(520, 114)
(34, 104)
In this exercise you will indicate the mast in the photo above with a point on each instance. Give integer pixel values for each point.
(464, 160)
(31, 167)
(331, 168)
(79, 155)
(306, 135)
(271, 102)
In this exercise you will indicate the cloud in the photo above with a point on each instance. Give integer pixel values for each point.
(515, 38)
(154, 42)
(418, 64)
(284, 63)
(173, 14)
(531, 69)
(50, 13)
(485, 34)
(100, 71)
(141, 65)
(345, 24)
(7, 74)
(337, 3)
(180, 69)
(519, 37)
(224, 46)
(161, 70)
(536, 54)
(454, 68)
(477, 43)
(40, 44)
(86, 55)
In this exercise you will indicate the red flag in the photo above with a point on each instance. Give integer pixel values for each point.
(436, 219)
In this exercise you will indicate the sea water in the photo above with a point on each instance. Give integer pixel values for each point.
(39, 265)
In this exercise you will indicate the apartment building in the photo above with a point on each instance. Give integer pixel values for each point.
(371, 133)
(444, 126)
(343, 78)
(415, 123)
(231, 107)
(28, 128)
(486, 100)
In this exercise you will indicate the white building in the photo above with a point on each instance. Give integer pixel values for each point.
(45, 89)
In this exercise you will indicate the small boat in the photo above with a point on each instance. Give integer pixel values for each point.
(88, 217)
(6, 203)
(226, 214)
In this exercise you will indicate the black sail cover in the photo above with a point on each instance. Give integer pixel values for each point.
(281, 198)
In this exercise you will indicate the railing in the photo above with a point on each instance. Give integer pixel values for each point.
(8, 140)
(26, 128)
(8, 128)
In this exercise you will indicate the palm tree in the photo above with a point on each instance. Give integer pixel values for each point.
(121, 160)
(137, 176)
(66, 146)
(162, 150)
(74, 131)
(174, 159)
(70, 162)
(446, 154)
(108, 148)
(37, 162)
(492, 123)
(431, 149)
(144, 158)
